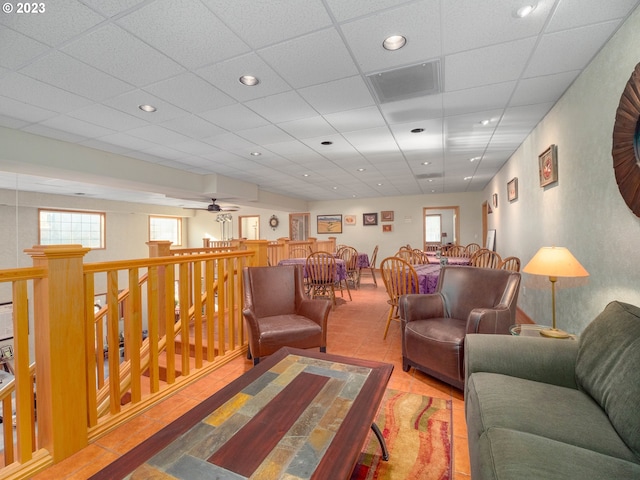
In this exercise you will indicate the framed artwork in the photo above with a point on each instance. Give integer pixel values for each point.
(548, 166)
(350, 220)
(370, 218)
(387, 228)
(494, 200)
(386, 215)
(512, 189)
(491, 240)
(329, 224)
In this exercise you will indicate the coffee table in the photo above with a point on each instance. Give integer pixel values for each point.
(299, 413)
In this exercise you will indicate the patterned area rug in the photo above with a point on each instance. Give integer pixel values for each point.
(418, 433)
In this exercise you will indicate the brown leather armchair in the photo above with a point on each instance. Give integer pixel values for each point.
(278, 313)
(468, 300)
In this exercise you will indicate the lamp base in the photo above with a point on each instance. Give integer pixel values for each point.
(554, 333)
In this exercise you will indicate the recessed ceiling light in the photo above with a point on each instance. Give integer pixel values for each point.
(335, 188)
(361, 169)
(484, 122)
(147, 108)
(380, 184)
(525, 10)
(354, 195)
(417, 130)
(473, 159)
(249, 80)
(326, 142)
(468, 178)
(255, 154)
(305, 174)
(394, 42)
(426, 163)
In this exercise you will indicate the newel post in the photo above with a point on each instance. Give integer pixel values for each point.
(161, 248)
(260, 248)
(60, 353)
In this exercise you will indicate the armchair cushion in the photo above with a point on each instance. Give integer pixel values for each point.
(468, 300)
(278, 312)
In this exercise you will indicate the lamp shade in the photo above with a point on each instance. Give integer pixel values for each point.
(555, 262)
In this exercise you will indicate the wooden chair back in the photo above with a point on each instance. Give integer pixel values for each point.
(510, 263)
(470, 249)
(485, 258)
(400, 278)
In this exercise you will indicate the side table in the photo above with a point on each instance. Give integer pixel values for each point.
(531, 330)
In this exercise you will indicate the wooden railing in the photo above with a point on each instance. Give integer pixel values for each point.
(281, 249)
(166, 321)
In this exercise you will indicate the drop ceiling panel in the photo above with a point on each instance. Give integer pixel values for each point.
(420, 25)
(357, 8)
(130, 101)
(17, 49)
(191, 93)
(107, 117)
(273, 21)
(339, 95)
(413, 110)
(34, 92)
(117, 52)
(542, 89)
(283, 107)
(23, 111)
(75, 126)
(568, 50)
(193, 126)
(310, 60)
(45, 131)
(110, 8)
(356, 119)
(308, 127)
(478, 99)
(578, 13)
(234, 117)
(264, 135)
(184, 30)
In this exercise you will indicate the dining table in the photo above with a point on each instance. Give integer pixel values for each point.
(341, 268)
(429, 274)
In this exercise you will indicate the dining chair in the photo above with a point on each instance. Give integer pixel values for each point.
(400, 278)
(278, 313)
(470, 249)
(320, 268)
(350, 257)
(454, 251)
(510, 263)
(432, 247)
(485, 258)
(420, 257)
(371, 267)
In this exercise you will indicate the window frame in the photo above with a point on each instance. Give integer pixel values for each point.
(166, 217)
(103, 225)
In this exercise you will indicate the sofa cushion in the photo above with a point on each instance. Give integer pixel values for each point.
(608, 368)
(563, 414)
(508, 454)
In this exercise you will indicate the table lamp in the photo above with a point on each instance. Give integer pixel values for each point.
(555, 262)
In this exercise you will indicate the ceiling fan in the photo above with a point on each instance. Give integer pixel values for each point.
(215, 208)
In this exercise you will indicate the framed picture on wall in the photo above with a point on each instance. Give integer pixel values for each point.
(370, 218)
(329, 223)
(548, 166)
(512, 189)
(387, 228)
(491, 240)
(386, 215)
(350, 220)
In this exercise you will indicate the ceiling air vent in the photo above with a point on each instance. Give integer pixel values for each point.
(427, 176)
(408, 82)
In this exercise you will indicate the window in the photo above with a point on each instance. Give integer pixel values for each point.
(63, 227)
(433, 228)
(166, 228)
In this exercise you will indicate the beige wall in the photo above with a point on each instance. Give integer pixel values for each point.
(584, 211)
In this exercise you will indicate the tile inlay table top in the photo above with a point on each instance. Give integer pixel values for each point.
(298, 415)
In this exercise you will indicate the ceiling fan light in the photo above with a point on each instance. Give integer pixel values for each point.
(394, 42)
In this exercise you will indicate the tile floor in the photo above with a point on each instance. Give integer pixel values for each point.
(355, 329)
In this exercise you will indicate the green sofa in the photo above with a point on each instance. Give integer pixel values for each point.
(542, 408)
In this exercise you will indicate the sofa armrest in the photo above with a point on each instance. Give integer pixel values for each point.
(544, 360)
(316, 309)
(420, 306)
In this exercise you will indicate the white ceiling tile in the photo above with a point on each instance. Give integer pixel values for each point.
(127, 141)
(104, 146)
(158, 134)
(478, 99)
(315, 58)
(71, 75)
(356, 119)
(117, 52)
(339, 95)
(420, 25)
(230, 142)
(184, 30)
(17, 49)
(107, 117)
(542, 89)
(483, 66)
(568, 50)
(190, 92)
(265, 134)
(59, 22)
(45, 131)
(77, 127)
(413, 110)
(283, 107)
(165, 152)
(578, 13)
(110, 8)
(467, 27)
(12, 122)
(357, 8)
(271, 22)
(23, 111)
(372, 140)
(234, 117)
(130, 101)
(30, 91)
(308, 127)
(226, 76)
(193, 126)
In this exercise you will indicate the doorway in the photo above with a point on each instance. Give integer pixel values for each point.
(449, 225)
(249, 227)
